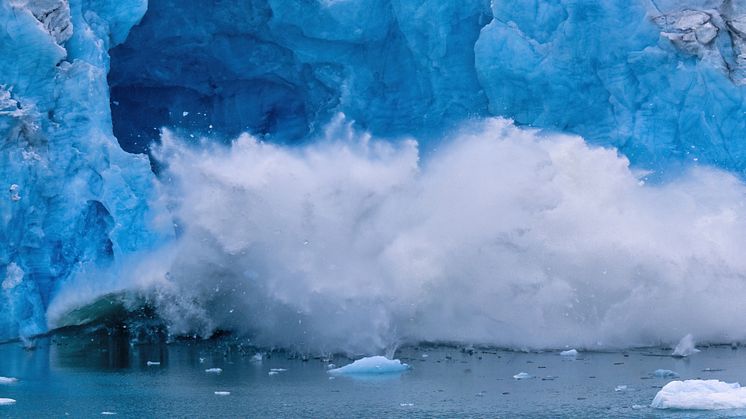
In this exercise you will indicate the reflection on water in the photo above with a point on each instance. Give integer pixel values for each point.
(85, 375)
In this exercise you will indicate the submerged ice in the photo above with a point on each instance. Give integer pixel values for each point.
(425, 220)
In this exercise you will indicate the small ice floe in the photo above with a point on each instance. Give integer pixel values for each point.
(661, 373)
(257, 357)
(620, 388)
(107, 413)
(522, 376)
(331, 366)
(638, 406)
(272, 373)
(572, 353)
(222, 393)
(685, 347)
(278, 369)
(406, 404)
(372, 365)
(8, 380)
(153, 363)
(202, 360)
(5, 402)
(425, 355)
(214, 370)
(700, 395)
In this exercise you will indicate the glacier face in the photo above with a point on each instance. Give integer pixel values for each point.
(661, 81)
(74, 202)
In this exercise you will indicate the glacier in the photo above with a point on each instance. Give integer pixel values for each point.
(329, 175)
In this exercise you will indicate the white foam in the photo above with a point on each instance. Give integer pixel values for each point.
(700, 395)
(372, 365)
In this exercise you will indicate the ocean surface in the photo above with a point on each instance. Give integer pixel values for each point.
(102, 374)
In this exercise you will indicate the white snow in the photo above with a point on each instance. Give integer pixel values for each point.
(522, 376)
(5, 402)
(570, 354)
(372, 365)
(214, 370)
(685, 347)
(700, 395)
(8, 380)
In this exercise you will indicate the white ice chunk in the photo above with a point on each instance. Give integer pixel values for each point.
(153, 363)
(522, 376)
(8, 380)
(257, 357)
(5, 402)
(214, 370)
(13, 276)
(685, 347)
(105, 413)
(272, 373)
(372, 365)
(222, 393)
(661, 373)
(572, 353)
(620, 388)
(700, 395)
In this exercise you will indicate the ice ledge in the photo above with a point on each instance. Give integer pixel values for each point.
(54, 15)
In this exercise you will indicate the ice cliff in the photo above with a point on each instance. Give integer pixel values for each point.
(660, 81)
(74, 202)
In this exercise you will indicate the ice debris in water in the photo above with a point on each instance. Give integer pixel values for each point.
(620, 388)
(372, 365)
(685, 347)
(8, 380)
(4, 401)
(153, 363)
(214, 370)
(257, 357)
(661, 373)
(222, 393)
(522, 376)
(106, 413)
(700, 395)
(572, 353)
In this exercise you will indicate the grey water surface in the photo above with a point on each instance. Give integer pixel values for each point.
(91, 376)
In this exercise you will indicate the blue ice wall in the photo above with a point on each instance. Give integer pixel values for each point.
(72, 200)
(662, 81)
(282, 68)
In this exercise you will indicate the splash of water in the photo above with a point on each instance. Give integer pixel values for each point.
(503, 236)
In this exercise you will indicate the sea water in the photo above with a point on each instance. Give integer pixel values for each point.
(109, 374)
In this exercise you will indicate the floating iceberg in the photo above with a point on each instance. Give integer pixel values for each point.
(371, 365)
(700, 395)
(4, 401)
(572, 353)
(663, 373)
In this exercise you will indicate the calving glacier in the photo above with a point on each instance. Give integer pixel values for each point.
(337, 175)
